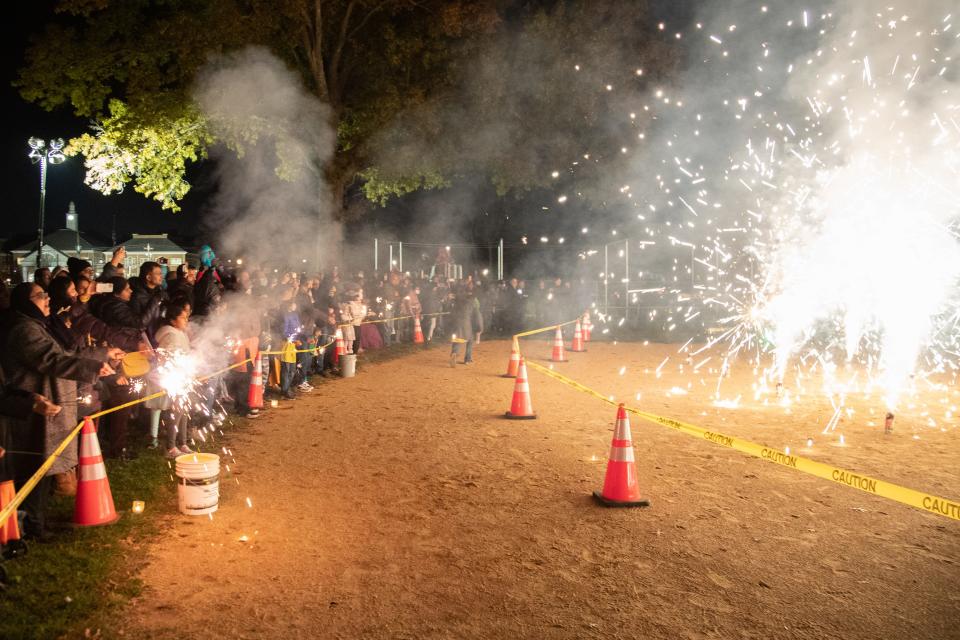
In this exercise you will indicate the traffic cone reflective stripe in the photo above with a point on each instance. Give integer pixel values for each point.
(521, 407)
(94, 502)
(92, 469)
(577, 345)
(620, 486)
(514, 363)
(417, 331)
(558, 354)
(255, 394)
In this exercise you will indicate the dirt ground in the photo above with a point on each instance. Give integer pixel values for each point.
(399, 504)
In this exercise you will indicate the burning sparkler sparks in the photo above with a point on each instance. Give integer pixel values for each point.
(823, 238)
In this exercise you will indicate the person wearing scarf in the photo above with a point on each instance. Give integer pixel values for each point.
(35, 361)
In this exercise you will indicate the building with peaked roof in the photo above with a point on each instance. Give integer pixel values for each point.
(143, 247)
(62, 244)
(58, 246)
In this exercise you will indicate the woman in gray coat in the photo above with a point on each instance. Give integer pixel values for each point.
(34, 361)
(466, 324)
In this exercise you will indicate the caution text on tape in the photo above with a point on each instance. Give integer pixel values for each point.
(882, 488)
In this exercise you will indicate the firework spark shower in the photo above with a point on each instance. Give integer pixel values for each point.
(816, 172)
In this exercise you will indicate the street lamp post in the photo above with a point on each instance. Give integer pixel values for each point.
(42, 154)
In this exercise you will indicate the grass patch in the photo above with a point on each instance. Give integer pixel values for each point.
(86, 575)
(84, 578)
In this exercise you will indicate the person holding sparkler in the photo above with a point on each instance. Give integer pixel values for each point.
(34, 361)
(173, 346)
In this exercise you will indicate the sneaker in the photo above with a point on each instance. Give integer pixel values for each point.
(468, 362)
(186, 449)
(253, 415)
(305, 387)
(290, 395)
(173, 453)
(154, 443)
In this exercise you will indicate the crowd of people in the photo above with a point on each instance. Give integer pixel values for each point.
(68, 336)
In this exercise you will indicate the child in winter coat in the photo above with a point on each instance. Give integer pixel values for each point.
(172, 341)
(288, 352)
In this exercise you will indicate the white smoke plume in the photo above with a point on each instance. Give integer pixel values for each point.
(272, 205)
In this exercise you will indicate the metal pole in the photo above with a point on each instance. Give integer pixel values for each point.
(376, 255)
(500, 260)
(43, 197)
(390, 266)
(401, 257)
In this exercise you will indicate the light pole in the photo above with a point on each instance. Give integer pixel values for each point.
(40, 153)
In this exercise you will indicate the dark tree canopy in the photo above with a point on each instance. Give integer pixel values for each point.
(419, 91)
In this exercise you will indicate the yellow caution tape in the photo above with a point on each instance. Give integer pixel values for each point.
(316, 348)
(882, 488)
(382, 320)
(29, 485)
(552, 327)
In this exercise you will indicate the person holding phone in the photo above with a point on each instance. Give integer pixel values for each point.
(115, 266)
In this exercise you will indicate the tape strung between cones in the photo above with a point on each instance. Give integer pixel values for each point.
(543, 329)
(882, 488)
(31, 483)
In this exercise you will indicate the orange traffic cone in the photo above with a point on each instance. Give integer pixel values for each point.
(587, 326)
(577, 345)
(94, 503)
(9, 530)
(417, 331)
(521, 408)
(558, 354)
(514, 364)
(255, 394)
(341, 347)
(620, 487)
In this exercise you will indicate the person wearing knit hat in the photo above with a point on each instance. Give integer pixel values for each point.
(78, 267)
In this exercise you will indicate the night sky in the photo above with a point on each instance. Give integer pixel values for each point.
(133, 212)
(130, 211)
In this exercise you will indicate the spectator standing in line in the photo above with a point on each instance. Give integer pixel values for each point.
(148, 297)
(208, 290)
(34, 361)
(467, 324)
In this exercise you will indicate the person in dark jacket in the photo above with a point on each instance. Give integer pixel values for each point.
(115, 311)
(114, 308)
(182, 286)
(148, 297)
(208, 291)
(34, 361)
(466, 324)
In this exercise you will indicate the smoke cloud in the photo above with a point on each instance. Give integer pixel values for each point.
(272, 205)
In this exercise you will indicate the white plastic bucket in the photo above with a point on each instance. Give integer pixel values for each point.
(348, 365)
(198, 483)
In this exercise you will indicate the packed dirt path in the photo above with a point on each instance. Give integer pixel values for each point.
(400, 504)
